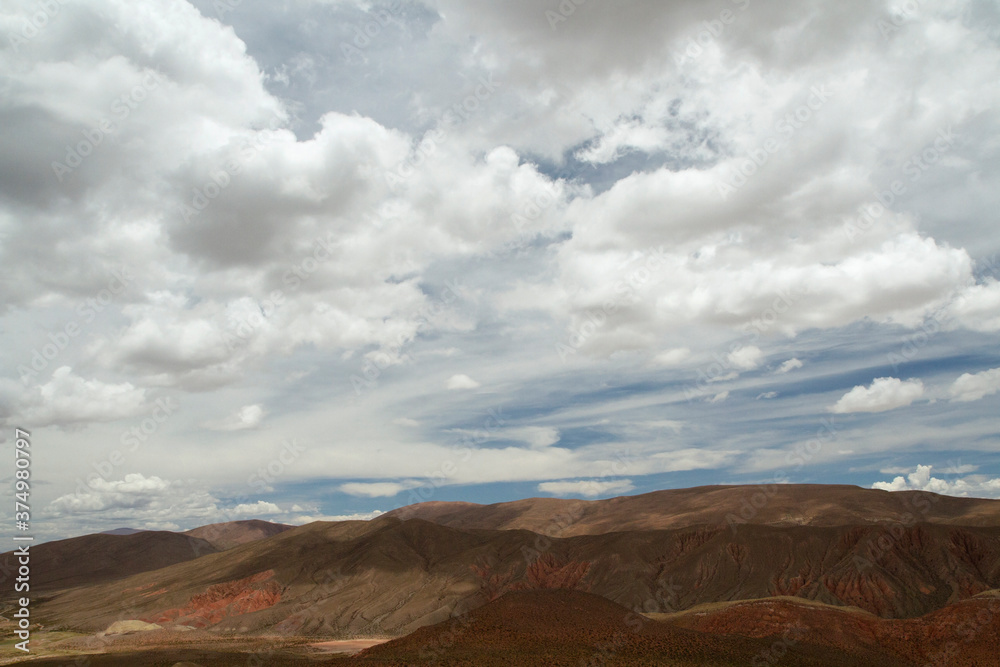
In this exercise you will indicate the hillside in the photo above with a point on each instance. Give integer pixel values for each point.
(773, 505)
(234, 533)
(967, 629)
(97, 558)
(390, 577)
(560, 627)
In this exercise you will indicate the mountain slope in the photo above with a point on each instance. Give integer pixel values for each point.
(228, 535)
(96, 558)
(391, 577)
(965, 632)
(776, 505)
(560, 627)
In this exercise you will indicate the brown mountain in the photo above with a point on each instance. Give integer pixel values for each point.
(122, 531)
(561, 627)
(97, 558)
(228, 535)
(91, 559)
(775, 505)
(961, 634)
(391, 577)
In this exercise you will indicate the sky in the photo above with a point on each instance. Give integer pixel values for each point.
(319, 259)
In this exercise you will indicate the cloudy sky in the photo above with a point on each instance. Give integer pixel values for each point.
(323, 258)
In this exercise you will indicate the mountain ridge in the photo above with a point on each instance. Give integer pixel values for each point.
(774, 504)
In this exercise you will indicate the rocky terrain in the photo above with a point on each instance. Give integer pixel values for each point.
(561, 627)
(890, 586)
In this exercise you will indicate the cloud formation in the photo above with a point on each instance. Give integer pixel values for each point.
(979, 486)
(247, 417)
(474, 243)
(67, 400)
(882, 395)
(973, 387)
(789, 366)
(590, 488)
(462, 382)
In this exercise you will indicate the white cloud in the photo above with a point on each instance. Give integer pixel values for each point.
(973, 387)
(789, 366)
(68, 400)
(247, 417)
(978, 307)
(673, 357)
(719, 398)
(152, 503)
(534, 436)
(980, 486)
(375, 489)
(746, 358)
(589, 487)
(462, 382)
(136, 496)
(884, 394)
(258, 508)
(302, 519)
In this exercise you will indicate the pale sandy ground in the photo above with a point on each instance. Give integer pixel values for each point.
(348, 646)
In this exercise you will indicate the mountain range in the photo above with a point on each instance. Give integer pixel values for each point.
(692, 563)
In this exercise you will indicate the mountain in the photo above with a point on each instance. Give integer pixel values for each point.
(561, 627)
(93, 559)
(390, 577)
(115, 554)
(960, 634)
(122, 531)
(228, 535)
(774, 505)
